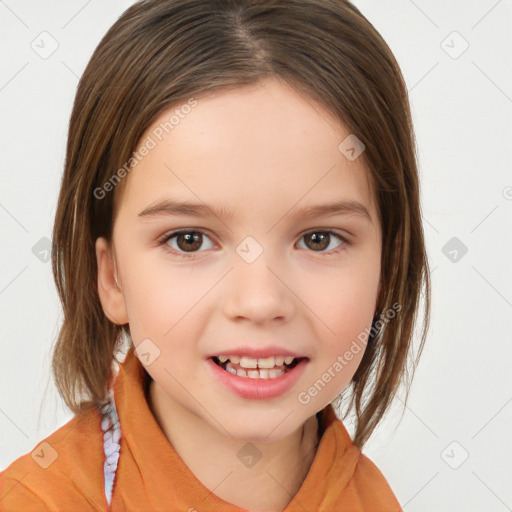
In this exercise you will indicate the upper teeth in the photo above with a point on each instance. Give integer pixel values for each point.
(249, 362)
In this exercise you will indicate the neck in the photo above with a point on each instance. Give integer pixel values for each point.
(268, 486)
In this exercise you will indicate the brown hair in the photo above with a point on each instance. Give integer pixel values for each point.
(160, 53)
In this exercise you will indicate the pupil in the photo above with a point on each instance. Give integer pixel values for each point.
(191, 241)
(319, 240)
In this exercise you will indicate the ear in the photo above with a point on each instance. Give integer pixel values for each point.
(111, 296)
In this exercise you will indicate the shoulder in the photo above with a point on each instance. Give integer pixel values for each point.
(372, 488)
(63, 472)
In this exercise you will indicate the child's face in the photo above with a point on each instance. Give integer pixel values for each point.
(253, 279)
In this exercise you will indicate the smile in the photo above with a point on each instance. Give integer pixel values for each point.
(251, 368)
(252, 381)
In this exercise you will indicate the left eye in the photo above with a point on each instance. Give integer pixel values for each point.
(321, 240)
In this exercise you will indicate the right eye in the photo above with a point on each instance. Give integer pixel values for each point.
(186, 241)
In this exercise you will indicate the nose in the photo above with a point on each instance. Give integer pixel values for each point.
(258, 293)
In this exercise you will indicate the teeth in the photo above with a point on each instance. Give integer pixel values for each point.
(230, 369)
(264, 374)
(268, 362)
(256, 374)
(249, 362)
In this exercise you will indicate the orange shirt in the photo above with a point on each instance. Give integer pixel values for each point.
(65, 472)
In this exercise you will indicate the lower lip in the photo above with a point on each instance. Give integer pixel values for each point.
(259, 389)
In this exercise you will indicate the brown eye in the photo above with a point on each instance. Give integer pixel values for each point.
(319, 241)
(189, 241)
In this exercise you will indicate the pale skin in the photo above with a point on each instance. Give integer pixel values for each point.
(264, 152)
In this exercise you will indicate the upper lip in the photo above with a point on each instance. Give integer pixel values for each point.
(257, 353)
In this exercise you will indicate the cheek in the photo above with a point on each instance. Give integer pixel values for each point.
(345, 307)
(344, 300)
(161, 298)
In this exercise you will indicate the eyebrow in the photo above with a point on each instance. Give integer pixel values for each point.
(167, 208)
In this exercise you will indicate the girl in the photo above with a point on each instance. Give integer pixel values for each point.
(240, 206)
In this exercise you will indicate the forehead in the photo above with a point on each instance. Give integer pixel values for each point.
(254, 145)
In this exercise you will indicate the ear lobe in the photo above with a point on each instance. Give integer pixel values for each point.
(111, 296)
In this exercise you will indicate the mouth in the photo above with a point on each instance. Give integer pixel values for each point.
(251, 368)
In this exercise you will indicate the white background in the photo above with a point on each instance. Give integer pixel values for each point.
(461, 400)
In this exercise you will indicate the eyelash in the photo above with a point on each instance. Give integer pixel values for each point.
(163, 240)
